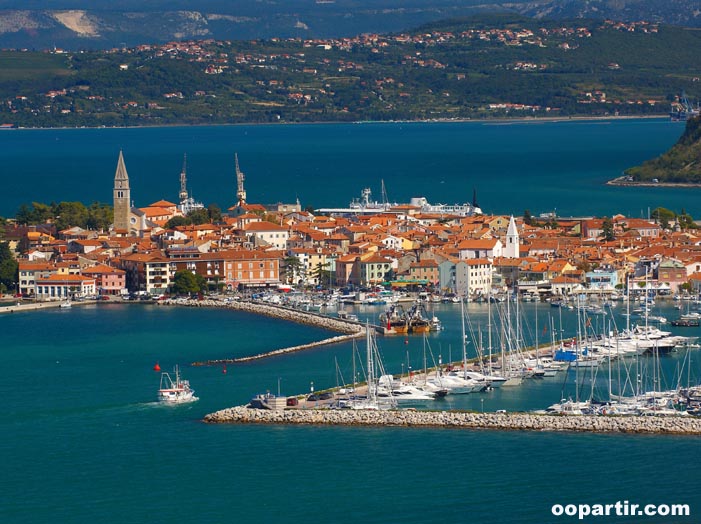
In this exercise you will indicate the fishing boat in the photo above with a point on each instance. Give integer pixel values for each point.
(175, 391)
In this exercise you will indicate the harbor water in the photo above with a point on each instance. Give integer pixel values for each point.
(84, 440)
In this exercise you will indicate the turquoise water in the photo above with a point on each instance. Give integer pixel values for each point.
(513, 166)
(84, 441)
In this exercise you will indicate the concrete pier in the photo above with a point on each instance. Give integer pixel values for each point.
(459, 419)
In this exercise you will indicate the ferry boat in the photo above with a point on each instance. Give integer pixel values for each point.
(176, 391)
(366, 206)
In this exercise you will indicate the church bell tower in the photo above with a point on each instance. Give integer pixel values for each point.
(121, 197)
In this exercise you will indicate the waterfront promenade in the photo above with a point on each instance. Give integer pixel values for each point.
(460, 420)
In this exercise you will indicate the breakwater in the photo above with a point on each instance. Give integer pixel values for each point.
(458, 419)
(349, 328)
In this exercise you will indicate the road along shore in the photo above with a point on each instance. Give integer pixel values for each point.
(459, 419)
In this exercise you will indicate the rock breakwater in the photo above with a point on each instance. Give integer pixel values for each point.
(459, 419)
(351, 329)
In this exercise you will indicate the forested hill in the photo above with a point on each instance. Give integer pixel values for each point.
(480, 67)
(679, 165)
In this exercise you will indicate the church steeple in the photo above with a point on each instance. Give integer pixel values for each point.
(183, 182)
(240, 191)
(512, 240)
(121, 196)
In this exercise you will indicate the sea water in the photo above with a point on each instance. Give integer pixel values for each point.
(84, 440)
(559, 167)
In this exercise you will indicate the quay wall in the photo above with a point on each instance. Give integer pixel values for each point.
(459, 419)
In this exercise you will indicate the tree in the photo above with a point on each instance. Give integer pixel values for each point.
(527, 218)
(291, 267)
(8, 268)
(198, 216)
(321, 274)
(685, 220)
(185, 283)
(607, 230)
(71, 214)
(663, 216)
(100, 216)
(215, 214)
(177, 221)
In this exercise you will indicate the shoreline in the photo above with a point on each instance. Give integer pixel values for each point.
(621, 182)
(459, 420)
(499, 120)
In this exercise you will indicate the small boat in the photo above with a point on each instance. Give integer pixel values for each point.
(686, 322)
(435, 324)
(176, 391)
(66, 304)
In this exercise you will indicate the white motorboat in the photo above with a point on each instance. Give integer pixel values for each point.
(175, 391)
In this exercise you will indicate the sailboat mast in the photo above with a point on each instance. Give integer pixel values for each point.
(372, 393)
(464, 345)
(489, 333)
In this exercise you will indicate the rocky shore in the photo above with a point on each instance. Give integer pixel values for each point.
(624, 181)
(349, 328)
(455, 419)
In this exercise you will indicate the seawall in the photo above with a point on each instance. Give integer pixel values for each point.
(459, 419)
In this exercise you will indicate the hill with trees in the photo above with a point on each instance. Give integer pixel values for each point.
(680, 165)
(478, 67)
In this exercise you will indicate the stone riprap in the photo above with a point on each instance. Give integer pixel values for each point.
(351, 329)
(459, 419)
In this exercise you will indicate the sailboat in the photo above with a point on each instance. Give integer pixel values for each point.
(372, 400)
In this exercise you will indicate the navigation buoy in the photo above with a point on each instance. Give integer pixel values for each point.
(223, 369)
(156, 367)
(406, 341)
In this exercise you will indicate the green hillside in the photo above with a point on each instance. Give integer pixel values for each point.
(480, 67)
(679, 165)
